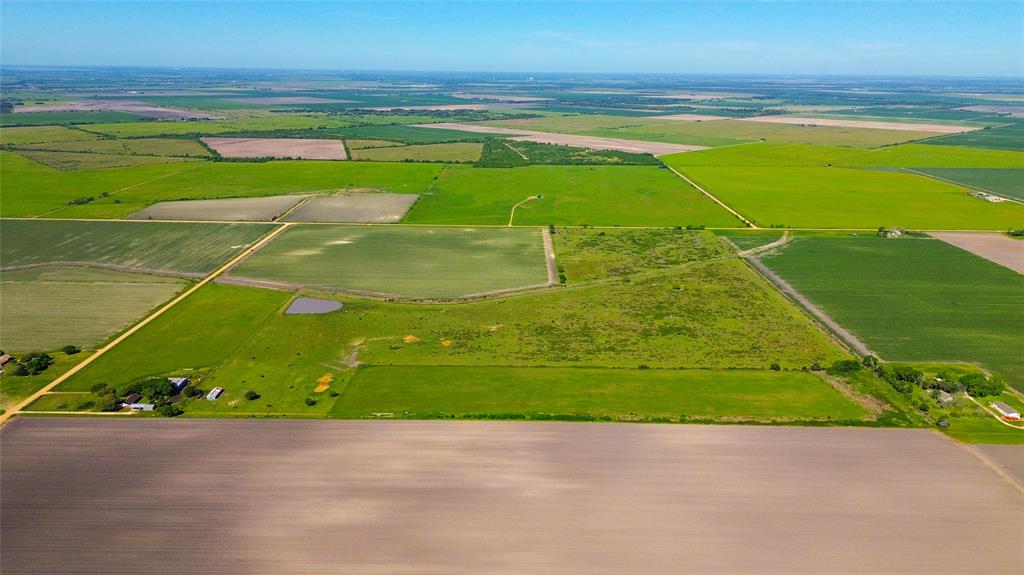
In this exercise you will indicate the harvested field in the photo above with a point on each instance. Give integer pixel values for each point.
(590, 142)
(407, 262)
(229, 209)
(453, 152)
(870, 124)
(1011, 457)
(448, 497)
(50, 307)
(354, 207)
(994, 247)
(306, 149)
(139, 108)
(690, 117)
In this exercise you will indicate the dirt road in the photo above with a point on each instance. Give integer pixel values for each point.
(433, 497)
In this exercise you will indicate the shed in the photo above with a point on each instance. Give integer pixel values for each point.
(1006, 411)
(132, 398)
(142, 406)
(179, 383)
(944, 398)
(214, 393)
(5, 359)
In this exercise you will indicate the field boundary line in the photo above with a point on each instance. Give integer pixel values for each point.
(748, 223)
(963, 185)
(831, 326)
(549, 256)
(145, 321)
(1001, 471)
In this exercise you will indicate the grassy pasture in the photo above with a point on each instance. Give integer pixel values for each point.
(771, 154)
(362, 207)
(587, 254)
(852, 198)
(42, 135)
(913, 299)
(74, 161)
(572, 195)
(200, 332)
(617, 394)
(249, 123)
(453, 152)
(146, 146)
(357, 144)
(1008, 182)
(409, 262)
(15, 389)
(746, 240)
(408, 134)
(182, 248)
(47, 308)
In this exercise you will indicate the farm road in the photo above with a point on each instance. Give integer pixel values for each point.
(103, 350)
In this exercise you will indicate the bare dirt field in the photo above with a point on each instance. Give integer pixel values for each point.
(140, 108)
(231, 209)
(877, 125)
(307, 149)
(236, 496)
(1011, 457)
(689, 118)
(589, 142)
(994, 247)
(354, 207)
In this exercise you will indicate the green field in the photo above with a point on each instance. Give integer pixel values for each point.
(770, 154)
(453, 152)
(180, 248)
(588, 254)
(145, 146)
(1007, 137)
(746, 240)
(616, 394)
(407, 262)
(17, 388)
(246, 123)
(52, 118)
(913, 299)
(42, 134)
(31, 189)
(48, 308)
(852, 198)
(1008, 182)
(69, 161)
(572, 195)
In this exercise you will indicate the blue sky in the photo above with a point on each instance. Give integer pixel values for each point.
(920, 38)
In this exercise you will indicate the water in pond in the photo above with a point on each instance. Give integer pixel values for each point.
(312, 305)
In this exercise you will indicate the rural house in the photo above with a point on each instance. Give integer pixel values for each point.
(1006, 411)
(179, 383)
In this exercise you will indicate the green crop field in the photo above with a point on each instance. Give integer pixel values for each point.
(56, 118)
(146, 146)
(48, 308)
(1008, 182)
(42, 135)
(913, 299)
(587, 254)
(408, 262)
(1006, 137)
(616, 394)
(250, 123)
(31, 189)
(181, 248)
(852, 198)
(453, 152)
(73, 161)
(410, 134)
(571, 195)
(769, 154)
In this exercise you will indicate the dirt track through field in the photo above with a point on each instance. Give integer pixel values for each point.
(238, 496)
(549, 257)
(832, 326)
(589, 142)
(994, 247)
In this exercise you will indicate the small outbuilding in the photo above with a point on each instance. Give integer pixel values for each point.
(1006, 411)
(215, 393)
(132, 398)
(179, 383)
(142, 406)
(944, 398)
(5, 359)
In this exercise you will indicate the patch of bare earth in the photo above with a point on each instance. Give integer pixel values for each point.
(303, 148)
(870, 124)
(992, 246)
(294, 496)
(140, 108)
